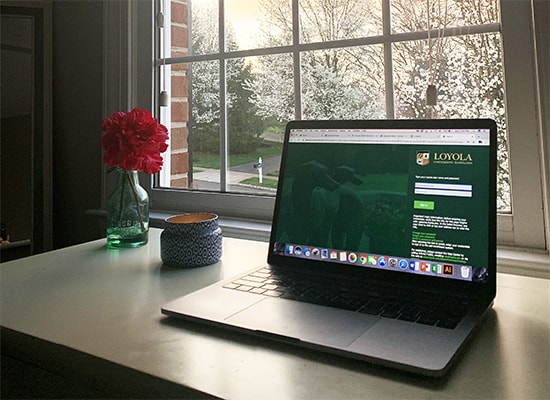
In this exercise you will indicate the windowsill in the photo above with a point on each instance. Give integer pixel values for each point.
(509, 260)
(519, 262)
(231, 227)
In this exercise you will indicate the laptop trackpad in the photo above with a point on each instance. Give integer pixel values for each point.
(306, 322)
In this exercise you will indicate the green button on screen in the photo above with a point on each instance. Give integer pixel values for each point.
(424, 205)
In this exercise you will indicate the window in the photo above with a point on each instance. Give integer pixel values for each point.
(320, 59)
(235, 71)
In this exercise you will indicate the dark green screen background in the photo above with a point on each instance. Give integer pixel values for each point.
(388, 174)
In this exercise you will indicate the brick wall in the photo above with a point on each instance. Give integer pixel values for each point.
(179, 30)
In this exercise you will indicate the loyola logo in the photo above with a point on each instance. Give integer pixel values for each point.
(457, 158)
(422, 157)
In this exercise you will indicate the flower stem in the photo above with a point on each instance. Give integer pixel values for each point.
(134, 191)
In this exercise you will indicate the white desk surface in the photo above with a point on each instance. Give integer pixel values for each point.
(106, 303)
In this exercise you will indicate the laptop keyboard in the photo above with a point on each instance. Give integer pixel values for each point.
(403, 304)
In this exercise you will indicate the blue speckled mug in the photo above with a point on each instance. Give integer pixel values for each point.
(191, 240)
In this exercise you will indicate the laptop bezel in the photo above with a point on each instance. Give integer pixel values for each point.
(484, 292)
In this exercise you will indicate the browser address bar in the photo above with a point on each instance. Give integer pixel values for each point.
(447, 138)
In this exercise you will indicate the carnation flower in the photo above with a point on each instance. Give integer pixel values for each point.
(134, 141)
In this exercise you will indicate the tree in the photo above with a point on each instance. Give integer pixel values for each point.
(244, 125)
(349, 82)
(466, 69)
(336, 83)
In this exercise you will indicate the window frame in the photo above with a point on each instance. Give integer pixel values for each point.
(129, 47)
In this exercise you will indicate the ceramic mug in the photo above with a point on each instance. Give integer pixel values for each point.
(191, 240)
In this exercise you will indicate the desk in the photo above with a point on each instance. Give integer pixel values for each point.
(93, 315)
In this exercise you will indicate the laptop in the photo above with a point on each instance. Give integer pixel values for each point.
(383, 244)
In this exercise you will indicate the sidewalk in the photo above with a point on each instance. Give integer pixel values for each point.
(213, 176)
(238, 173)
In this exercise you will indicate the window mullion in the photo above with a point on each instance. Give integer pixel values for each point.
(388, 64)
(296, 59)
(223, 101)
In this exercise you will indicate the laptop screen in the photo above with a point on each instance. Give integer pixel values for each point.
(412, 197)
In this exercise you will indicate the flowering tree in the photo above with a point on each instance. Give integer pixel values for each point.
(244, 126)
(336, 83)
(349, 82)
(466, 69)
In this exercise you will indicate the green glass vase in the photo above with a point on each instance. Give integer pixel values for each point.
(128, 212)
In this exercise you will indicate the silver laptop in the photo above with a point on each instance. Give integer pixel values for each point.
(383, 244)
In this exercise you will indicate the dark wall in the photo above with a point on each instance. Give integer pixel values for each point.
(16, 176)
(18, 134)
(77, 115)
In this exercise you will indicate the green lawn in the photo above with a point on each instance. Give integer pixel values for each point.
(209, 160)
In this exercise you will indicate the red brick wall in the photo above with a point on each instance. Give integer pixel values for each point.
(179, 31)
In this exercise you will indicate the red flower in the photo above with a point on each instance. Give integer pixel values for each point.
(134, 141)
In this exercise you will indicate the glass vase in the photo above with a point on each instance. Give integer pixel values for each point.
(128, 212)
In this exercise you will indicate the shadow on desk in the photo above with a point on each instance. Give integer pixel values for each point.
(35, 369)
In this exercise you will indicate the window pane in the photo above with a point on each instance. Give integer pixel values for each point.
(259, 98)
(252, 24)
(193, 119)
(174, 83)
(273, 87)
(192, 21)
(204, 127)
(327, 20)
(468, 76)
(413, 15)
(343, 83)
